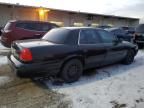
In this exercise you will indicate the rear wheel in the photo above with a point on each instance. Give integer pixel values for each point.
(72, 71)
(129, 57)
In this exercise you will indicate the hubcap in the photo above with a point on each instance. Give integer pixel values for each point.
(73, 70)
(130, 57)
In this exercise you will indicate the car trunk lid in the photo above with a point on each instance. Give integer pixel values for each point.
(33, 43)
(38, 48)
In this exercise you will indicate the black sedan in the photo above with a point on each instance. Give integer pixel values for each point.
(122, 34)
(68, 51)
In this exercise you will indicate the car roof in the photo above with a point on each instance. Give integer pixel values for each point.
(29, 21)
(78, 28)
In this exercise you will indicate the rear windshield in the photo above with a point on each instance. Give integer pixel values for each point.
(7, 26)
(36, 26)
(140, 28)
(57, 35)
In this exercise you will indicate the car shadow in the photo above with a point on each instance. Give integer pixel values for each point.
(93, 75)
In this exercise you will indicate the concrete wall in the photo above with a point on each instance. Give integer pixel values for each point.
(8, 12)
(69, 19)
(5, 15)
(25, 14)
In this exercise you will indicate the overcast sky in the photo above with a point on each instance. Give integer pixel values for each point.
(128, 8)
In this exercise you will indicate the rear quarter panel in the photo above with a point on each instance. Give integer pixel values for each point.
(56, 53)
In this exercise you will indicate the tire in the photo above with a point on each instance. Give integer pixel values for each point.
(129, 57)
(72, 71)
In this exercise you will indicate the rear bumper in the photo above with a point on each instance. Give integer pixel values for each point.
(33, 70)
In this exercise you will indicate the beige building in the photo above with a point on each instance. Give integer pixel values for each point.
(61, 17)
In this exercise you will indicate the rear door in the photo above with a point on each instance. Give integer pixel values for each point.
(93, 49)
(115, 50)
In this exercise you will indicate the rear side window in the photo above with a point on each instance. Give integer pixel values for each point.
(34, 26)
(72, 37)
(21, 25)
(106, 36)
(57, 35)
(7, 26)
(29, 26)
(140, 28)
(89, 37)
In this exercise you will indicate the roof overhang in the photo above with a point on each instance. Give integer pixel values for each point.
(70, 11)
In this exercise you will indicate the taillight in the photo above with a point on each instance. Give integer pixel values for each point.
(26, 55)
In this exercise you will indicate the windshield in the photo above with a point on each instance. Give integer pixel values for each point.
(57, 35)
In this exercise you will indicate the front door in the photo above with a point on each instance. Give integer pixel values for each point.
(115, 50)
(91, 46)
